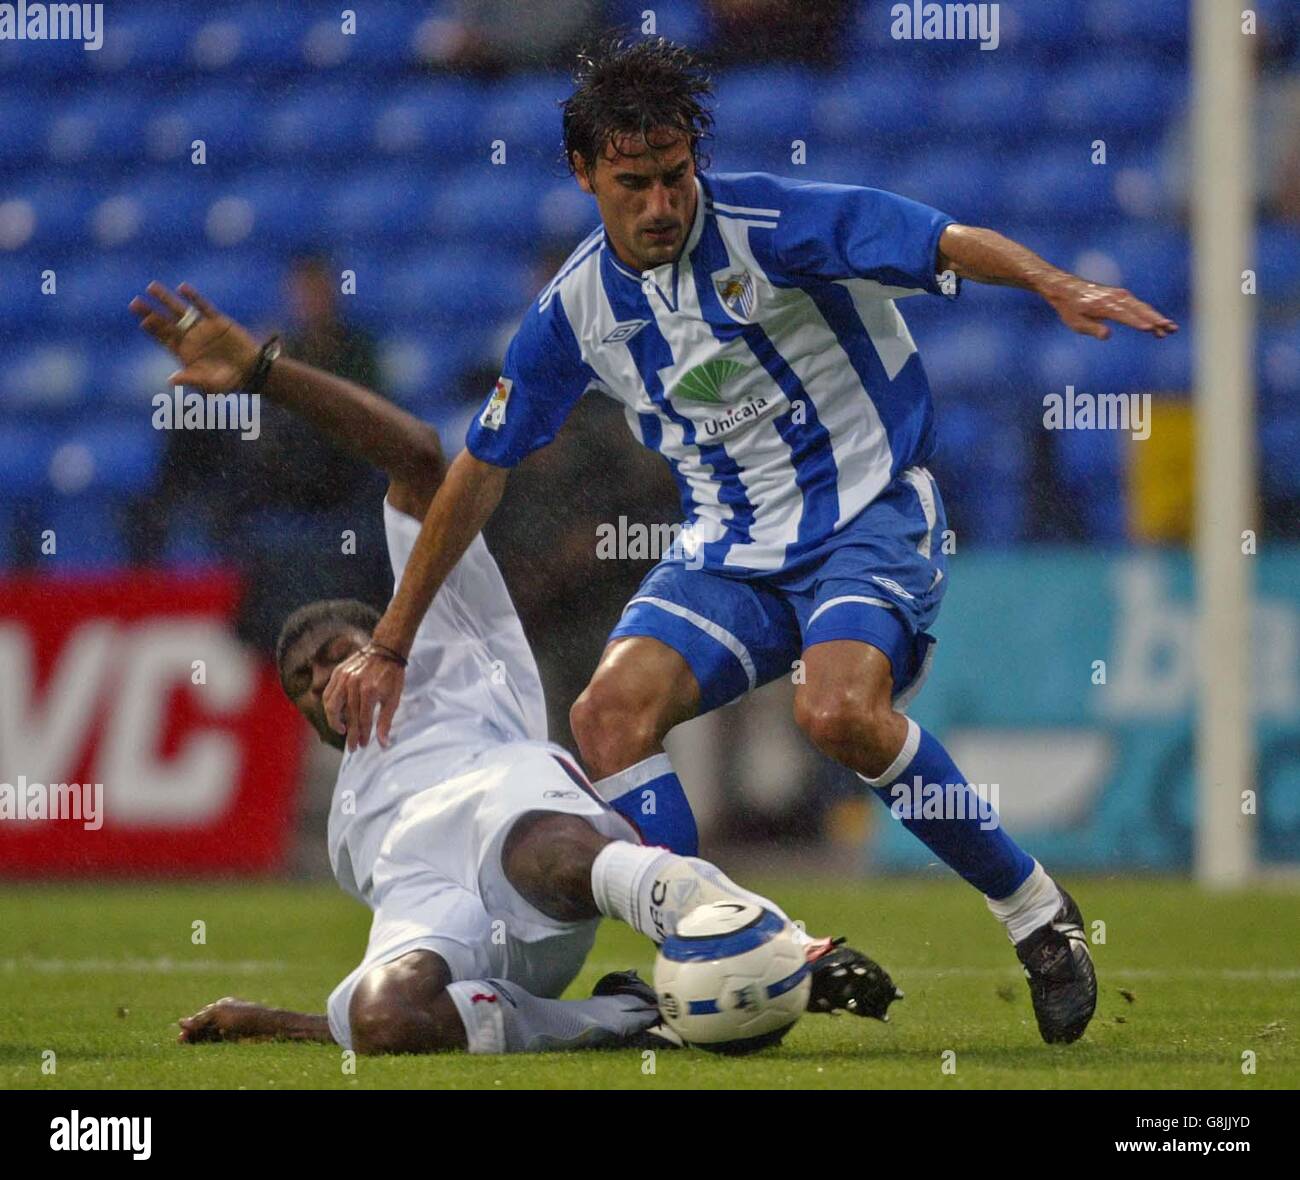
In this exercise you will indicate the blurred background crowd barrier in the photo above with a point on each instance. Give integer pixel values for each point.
(390, 195)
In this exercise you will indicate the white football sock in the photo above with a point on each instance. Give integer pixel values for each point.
(503, 1018)
(615, 786)
(1030, 906)
(651, 890)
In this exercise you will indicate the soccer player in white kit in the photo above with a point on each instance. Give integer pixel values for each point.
(484, 853)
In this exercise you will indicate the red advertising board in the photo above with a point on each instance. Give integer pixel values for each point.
(137, 734)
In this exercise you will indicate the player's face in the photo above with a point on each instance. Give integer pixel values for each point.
(308, 665)
(646, 195)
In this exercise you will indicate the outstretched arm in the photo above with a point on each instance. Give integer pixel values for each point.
(985, 256)
(229, 1019)
(217, 355)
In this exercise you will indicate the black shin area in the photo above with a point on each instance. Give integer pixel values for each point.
(547, 857)
(403, 1007)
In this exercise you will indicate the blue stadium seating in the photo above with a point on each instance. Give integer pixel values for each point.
(88, 532)
(433, 122)
(1277, 263)
(981, 466)
(353, 145)
(1090, 465)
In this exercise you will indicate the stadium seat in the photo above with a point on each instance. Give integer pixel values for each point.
(114, 458)
(97, 125)
(1097, 97)
(94, 292)
(377, 34)
(352, 146)
(132, 372)
(971, 355)
(318, 121)
(244, 283)
(431, 122)
(44, 215)
(1162, 26)
(21, 303)
(1046, 25)
(22, 130)
(45, 375)
(253, 38)
(458, 210)
(432, 286)
(268, 209)
(1127, 362)
(964, 182)
(1277, 262)
(525, 116)
(771, 106)
(146, 39)
(1152, 261)
(26, 452)
(425, 371)
(851, 106)
(1089, 463)
(991, 97)
(1279, 367)
(390, 203)
(88, 532)
(1062, 185)
(980, 466)
(678, 20)
(224, 117)
(1279, 443)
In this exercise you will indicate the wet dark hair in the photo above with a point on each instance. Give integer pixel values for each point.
(342, 612)
(625, 86)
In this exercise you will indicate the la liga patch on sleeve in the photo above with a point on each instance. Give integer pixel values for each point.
(494, 413)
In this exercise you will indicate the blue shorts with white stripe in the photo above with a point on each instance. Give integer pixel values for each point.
(878, 580)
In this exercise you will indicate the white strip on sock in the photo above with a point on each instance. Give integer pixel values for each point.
(617, 785)
(503, 1018)
(911, 743)
(484, 1028)
(1032, 905)
(651, 889)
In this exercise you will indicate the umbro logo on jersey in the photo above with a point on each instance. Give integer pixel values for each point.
(482, 998)
(494, 413)
(892, 586)
(624, 330)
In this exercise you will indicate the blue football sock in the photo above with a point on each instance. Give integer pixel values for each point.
(926, 792)
(650, 797)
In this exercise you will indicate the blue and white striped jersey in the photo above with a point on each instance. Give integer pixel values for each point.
(768, 364)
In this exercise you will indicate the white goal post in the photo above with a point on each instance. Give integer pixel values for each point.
(1222, 201)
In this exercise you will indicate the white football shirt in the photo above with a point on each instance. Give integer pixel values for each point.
(471, 684)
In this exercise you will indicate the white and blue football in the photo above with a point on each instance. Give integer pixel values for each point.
(732, 978)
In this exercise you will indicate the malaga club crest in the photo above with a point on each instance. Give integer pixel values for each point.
(736, 293)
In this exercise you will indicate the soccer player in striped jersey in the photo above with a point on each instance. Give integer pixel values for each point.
(748, 326)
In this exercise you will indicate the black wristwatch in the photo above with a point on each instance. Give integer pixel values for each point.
(266, 357)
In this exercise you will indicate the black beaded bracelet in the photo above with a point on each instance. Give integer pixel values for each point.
(266, 356)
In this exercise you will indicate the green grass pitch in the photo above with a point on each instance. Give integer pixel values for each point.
(1189, 983)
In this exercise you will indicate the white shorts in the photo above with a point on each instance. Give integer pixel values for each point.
(439, 884)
